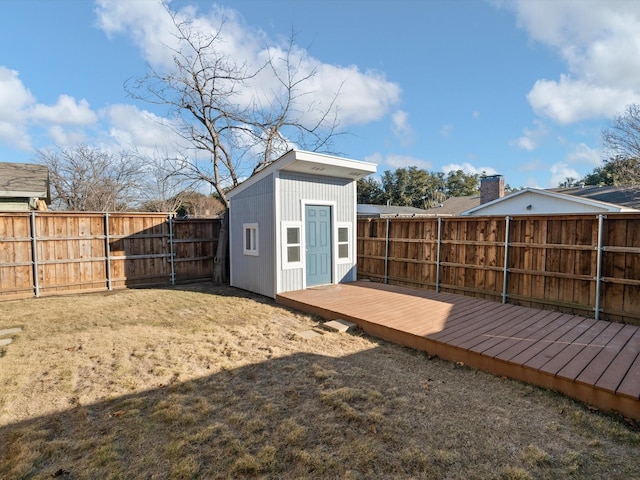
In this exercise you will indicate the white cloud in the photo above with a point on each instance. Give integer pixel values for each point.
(399, 161)
(475, 114)
(67, 111)
(446, 131)
(585, 154)
(532, 137)
(468, 169)
(560, 172)
(15, 100)
(569, 100)
(65, 137)
(148, 133)
(19, 110)
(146, 22)
(401, 127)
(599, 41)
(362, 96)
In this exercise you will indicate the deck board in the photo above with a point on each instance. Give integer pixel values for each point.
(523, 339)
(533, 338)
(594, 361)
(573, 348)
(592, 373)
(581, 359)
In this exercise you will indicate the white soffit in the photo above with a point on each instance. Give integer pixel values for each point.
(311, 163)
(352, 171)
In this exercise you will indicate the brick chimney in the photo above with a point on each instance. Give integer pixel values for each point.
(491, 188)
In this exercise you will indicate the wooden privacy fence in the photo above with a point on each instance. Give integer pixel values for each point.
(588, 265)
(56, 252)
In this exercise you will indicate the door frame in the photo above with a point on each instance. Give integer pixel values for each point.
(303, 233)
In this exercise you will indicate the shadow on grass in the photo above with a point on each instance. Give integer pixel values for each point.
(290, 417)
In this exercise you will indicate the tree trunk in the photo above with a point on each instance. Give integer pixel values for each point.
(220, 260)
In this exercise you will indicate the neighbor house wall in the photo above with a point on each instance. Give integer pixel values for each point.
(295, 190)
(536, 204)
(254, 205)
(14, 205)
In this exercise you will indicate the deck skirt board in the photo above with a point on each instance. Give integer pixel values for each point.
(594, 361)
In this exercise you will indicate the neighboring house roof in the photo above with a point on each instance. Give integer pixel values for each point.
(455, 205)
(24, 180)
(383, 211)
(310, 163)
(624, 196)
(536, 202)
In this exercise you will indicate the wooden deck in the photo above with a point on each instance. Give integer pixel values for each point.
(594, 361)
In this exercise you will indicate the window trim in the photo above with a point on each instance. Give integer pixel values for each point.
(255, 237)
(286, 264)
(349, 242)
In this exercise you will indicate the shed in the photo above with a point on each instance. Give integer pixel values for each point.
(293, 225)
(24, 186)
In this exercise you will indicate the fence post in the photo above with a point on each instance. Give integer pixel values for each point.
(386, 255)
(107, 250)
(438, 255)
(34, 255)
(171, 261)
(505, 276)
(599, 265)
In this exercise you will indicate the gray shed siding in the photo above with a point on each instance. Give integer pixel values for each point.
(254, 205)
(296, 188)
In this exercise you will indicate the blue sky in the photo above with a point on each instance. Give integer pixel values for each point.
(519, 88)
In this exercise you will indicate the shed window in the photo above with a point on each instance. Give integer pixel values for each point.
(291, 245)
(250, 246)
(344, 243)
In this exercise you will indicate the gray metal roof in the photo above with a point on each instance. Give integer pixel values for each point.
(367, 210)
(623, 196)
(24, 180)
(455, 205)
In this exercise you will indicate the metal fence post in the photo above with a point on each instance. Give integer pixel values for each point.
(386, 255)
(599, 265)
(505, 276)
(107, 250)
(171, 253)
(438, 255)
(34, 255)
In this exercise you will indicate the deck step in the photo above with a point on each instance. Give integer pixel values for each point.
(339, 325)
(309, 334)
(10, 331)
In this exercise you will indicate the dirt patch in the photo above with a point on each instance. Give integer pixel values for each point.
(206, 382)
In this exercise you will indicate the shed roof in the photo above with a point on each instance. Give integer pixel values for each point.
(24, 180)
(311, 163)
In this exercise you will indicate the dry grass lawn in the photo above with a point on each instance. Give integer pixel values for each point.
(210, 382)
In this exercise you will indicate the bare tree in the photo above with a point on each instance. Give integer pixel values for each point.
(622, 138)
(88, 179)
(622, 148)
(231, 136)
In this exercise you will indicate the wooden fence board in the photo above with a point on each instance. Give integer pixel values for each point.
(552, 260)
(96, 251)
(16, 272)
